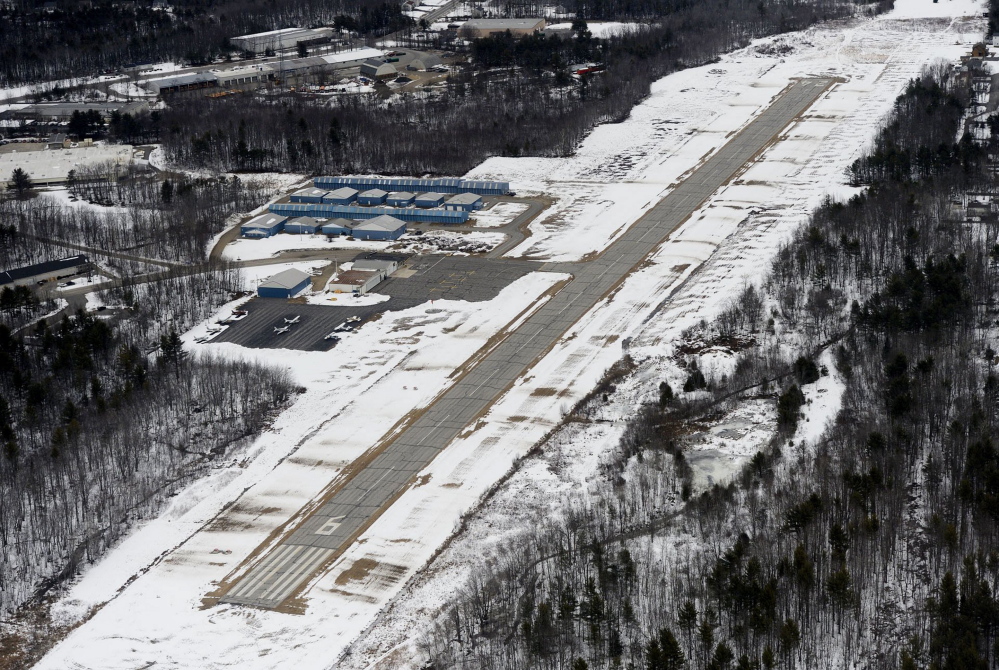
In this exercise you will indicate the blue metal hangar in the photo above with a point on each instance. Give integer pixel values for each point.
(301, 225)
(382, 227)
(262, 226)
(310, 194)
(464, 202)
(340, 196)
(400, 199)
(374, 196)
(429, 200)
(285, 284)
(439, 185)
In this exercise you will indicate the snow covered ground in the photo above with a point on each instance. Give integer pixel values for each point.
(499, 214)
(619, 172)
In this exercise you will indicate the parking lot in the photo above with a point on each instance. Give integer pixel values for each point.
(420, 280)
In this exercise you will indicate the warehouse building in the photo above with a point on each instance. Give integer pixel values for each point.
(438, 185)
(52, 166)
(385, 266)
(338, 226)
(63, 111)
(382, 227)
(374, 196)
(278, 40)
(310, 194)
(265, 225)
(182, 82)
(400, 199)
(301, 225)
(466, 202)
(46, 272)
(424, 62)
(340, 196)
(285, 284)
(357, 282)
(376, 69)
(327, 211)
(486, 27)
(429, 200)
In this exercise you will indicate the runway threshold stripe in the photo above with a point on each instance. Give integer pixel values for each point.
(256, 577)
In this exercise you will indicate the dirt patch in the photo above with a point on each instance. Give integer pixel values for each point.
(452, 485)
(679, 268)
(360, 570)
(519, 418)
(544, 392)
(422, 480)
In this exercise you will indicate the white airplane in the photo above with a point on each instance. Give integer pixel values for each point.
(281, 331)
(295, 319)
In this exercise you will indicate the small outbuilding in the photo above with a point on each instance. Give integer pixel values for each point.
(376, 69)
(355, 281)
(310, 194)
(400, 199)
(374, 196)
(430, 200)
(263, 226)
(285, 284)
(382, 227)
(341, 196)
(301, 225)
(464, 202)
(338, 227)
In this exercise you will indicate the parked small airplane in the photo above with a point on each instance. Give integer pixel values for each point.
(281, 331)
(292, 320)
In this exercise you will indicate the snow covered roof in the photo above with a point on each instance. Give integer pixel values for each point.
(266, 220)
(383, 222)
(287, 279)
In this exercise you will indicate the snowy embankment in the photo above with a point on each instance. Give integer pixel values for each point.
(358, 390)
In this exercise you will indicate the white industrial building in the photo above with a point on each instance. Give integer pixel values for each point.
(286, 38)
(52, 166)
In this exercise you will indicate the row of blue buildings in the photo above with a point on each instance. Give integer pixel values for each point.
(441, 185)
(376, 228)
(345, 195)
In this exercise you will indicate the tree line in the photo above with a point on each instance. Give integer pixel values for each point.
(874, 547)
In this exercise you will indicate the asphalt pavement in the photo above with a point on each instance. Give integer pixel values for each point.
(280, 572)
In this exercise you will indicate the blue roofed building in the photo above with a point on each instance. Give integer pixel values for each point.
(262, 226)
(285, 284)
(400, 199)
(301, 225)
(464, 202)
(310, 194)
(340, 196)
(383, 227)
(429, 199)
(374, 196)
(338, 226)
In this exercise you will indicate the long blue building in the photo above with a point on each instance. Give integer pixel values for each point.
(325, 211)
(439, 185)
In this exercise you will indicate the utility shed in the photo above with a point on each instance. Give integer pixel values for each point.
(338, 227)
(374, 196)
(341, 196)
(430, 200)
(355, 281)
(376, 69)
(285, 284)
(311, 194)
(385, 266)
(464, 202)
(301, 225)
(44, 272)
(400, 199)
(262, 226)
(382, 227)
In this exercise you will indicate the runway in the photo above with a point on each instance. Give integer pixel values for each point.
(312, 544)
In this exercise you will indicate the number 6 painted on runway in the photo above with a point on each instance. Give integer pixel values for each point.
(331, 525)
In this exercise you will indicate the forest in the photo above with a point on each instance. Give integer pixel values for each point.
(876, 546)
(528, 106)
(78, 39)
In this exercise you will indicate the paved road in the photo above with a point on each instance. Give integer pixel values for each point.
(346, 512)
